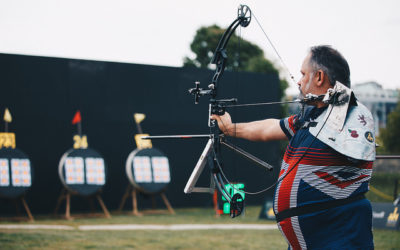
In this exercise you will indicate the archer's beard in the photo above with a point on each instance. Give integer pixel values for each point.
(301, 96)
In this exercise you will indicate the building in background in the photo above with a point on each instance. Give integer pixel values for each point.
(378, 100)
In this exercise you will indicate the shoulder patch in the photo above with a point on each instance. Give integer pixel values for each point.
(369, 136)
(353, 133)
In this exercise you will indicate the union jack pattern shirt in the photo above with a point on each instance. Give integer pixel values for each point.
(313, 172)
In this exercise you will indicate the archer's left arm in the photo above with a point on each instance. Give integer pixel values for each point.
(262, 130)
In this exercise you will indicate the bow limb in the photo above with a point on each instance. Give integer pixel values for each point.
(220, 55)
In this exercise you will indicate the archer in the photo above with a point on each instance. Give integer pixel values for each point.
(319, 199)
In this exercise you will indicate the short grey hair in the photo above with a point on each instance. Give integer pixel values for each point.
(331, 62)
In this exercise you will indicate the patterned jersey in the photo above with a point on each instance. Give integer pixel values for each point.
(313, 172)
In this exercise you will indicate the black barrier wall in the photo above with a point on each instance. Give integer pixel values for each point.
(44, 93)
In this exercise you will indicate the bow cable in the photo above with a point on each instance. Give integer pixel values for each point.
(273, 47)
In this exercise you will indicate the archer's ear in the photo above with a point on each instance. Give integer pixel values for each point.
(320, 77)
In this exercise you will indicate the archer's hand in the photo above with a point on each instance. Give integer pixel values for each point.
(224, 123)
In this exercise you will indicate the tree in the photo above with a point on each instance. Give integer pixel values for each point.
(242, 55)
(389, 136)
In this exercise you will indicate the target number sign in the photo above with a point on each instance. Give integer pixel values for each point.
(80, 141)
(7, 140)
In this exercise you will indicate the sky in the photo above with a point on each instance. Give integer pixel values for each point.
(366, 32)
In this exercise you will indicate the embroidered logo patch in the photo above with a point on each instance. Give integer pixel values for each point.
(369, 136)
(353, 133)
(362, 120)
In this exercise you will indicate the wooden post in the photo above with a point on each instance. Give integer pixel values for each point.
(132, 191)
(107, 214)
(66, 195)
(134, 203)
(124, 197)
(167, 204)
(60, 199)
(68, 207)
(27, 209)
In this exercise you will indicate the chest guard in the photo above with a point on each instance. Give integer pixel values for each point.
(348, 129)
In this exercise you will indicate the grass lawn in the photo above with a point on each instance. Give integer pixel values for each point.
(160, 239)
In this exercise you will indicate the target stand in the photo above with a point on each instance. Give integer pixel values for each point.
(16, 175)
(82, 172)
(148, 172)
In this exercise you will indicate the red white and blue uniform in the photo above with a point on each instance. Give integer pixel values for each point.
(322, 175)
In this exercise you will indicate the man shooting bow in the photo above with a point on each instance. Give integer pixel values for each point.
(319, 199)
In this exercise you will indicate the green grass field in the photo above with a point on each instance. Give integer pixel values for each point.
(160, 239)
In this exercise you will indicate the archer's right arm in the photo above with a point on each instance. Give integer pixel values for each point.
(263, 130)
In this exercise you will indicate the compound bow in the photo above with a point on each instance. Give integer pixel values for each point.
(212, 152)
(218, 107)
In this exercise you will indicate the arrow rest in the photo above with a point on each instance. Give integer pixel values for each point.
(218, 106)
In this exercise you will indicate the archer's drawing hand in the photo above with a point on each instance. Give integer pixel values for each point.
(224, 123)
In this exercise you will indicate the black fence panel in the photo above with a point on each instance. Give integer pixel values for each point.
(44, 93)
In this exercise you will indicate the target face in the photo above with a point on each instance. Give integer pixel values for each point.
(82, 171)
(148, 170)
(16, 173)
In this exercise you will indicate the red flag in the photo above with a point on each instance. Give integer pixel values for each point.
(77, 118)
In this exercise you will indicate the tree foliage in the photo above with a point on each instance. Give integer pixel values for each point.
(242, 55)
(390, 135)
